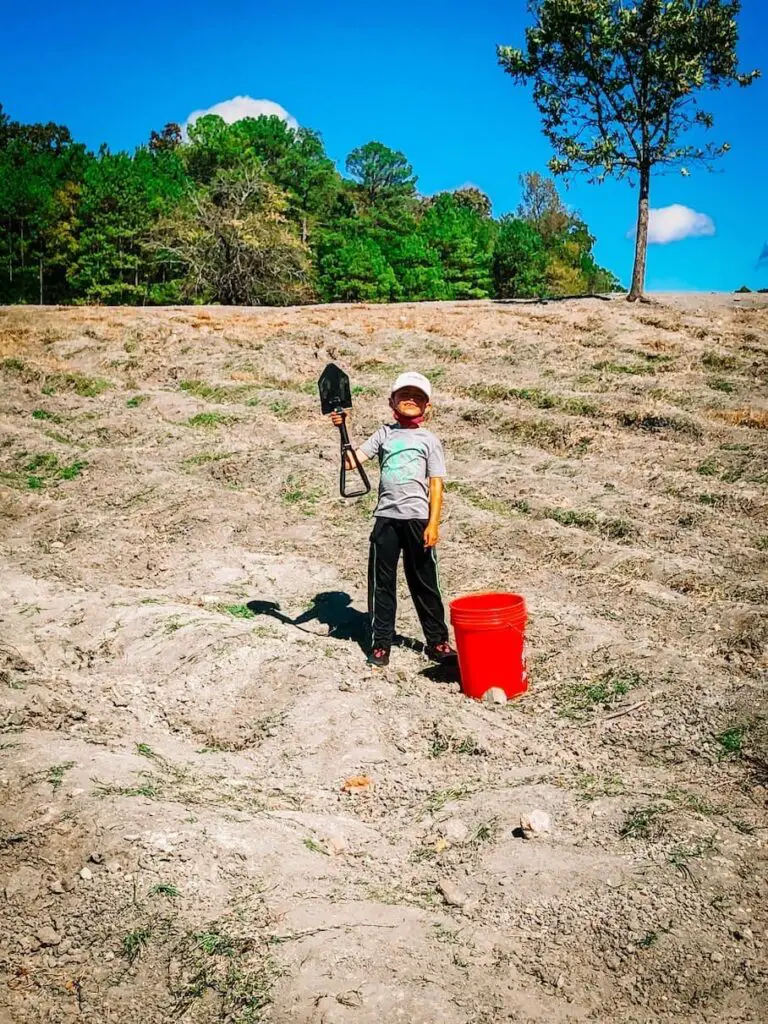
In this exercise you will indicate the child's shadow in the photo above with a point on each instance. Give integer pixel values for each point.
(332, 608)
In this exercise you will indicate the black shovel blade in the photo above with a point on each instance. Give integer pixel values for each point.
(335, 392)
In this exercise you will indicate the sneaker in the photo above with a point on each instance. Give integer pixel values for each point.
(379, 657)
(441, 653)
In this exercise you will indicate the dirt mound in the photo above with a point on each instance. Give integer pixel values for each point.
(183, 689)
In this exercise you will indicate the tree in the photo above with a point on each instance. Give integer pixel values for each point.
(519, 260)
(381, 172)
(169, 138)
(464, 241)
(474, 198)
(618, 85)
(542, 207)
(233, 243)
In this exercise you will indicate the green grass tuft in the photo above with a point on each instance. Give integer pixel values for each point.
(210, 419)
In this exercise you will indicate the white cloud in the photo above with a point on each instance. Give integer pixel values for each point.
(244, 106)
(676, 222)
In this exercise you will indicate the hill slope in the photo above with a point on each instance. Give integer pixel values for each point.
(175, 841)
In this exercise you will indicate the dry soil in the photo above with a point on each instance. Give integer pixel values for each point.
(183, 691)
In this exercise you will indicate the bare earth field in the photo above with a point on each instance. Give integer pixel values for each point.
(175, 843)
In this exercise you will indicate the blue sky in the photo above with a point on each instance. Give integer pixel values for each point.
(420, 77)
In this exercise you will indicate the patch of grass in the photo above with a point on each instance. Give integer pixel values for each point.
(731, 741)
(484, 501)
(45, 469)
(13, 365)
(56, 773)
(593, 787)
(238, 611)
(485, 832)
(282, 408)
(358, 390)
(233, 975)
(539, 433)
(314, 846)
(210, 419)
(615, 529)
(73, 470)
(105, 789)
(634, 369)
(164, 889)
(134, 942)
(43, 414)
(214, 393)
(215, 943)
(761, 543)
(655, 424)
(641, 822)
(648, 940)
(136, 401)
(204, 457)
(680, 855)
(446, 743)
(85, 387)
(714, 360)
(540, 399)
(45, 461)
(440, 797)
(296, 493)
(144, 750)
(708, 467)
(721, 385)
(579, 700)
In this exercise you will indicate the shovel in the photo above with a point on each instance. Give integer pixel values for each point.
(336, 396)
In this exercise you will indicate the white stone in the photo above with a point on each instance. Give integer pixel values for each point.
(534, 824)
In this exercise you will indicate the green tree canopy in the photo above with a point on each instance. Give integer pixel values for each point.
(381, 173)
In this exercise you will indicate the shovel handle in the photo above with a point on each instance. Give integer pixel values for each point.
(347, 449)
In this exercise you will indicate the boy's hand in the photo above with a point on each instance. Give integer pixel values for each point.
(337, 418)
(431, 536)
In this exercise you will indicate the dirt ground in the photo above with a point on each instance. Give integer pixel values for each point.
(175, 843)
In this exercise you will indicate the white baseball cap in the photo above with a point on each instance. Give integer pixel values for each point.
(412, 380)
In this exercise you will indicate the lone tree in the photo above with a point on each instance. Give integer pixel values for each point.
(617, 83)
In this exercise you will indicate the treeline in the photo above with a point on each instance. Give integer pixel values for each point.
(256, 213)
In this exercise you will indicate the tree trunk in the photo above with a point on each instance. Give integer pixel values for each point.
(304, 229)
(41, 280)
(641, 238)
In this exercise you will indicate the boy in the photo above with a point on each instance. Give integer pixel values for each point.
(407, 519)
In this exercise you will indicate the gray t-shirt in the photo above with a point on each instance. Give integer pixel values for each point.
(408, 457)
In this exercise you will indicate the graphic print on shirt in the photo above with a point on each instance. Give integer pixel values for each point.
(400, 460)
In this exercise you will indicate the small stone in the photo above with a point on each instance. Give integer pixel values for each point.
(56, 545)
(86, 874)
(56, 887)
(454, 830)
(109, 956)
(96, 858)
(113, 867)
(612, 963)
(534, 824)
(717, 958)
(353, 999)
(346, 687)
(495, 696)
(336, 845)
(452, 894)
(46, 936)
(745, 934)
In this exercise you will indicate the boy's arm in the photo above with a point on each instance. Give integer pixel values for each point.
(432, 531)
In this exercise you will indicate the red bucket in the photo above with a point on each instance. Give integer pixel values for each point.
(490, 639)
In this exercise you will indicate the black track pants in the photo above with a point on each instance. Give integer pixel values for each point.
(389, 538)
